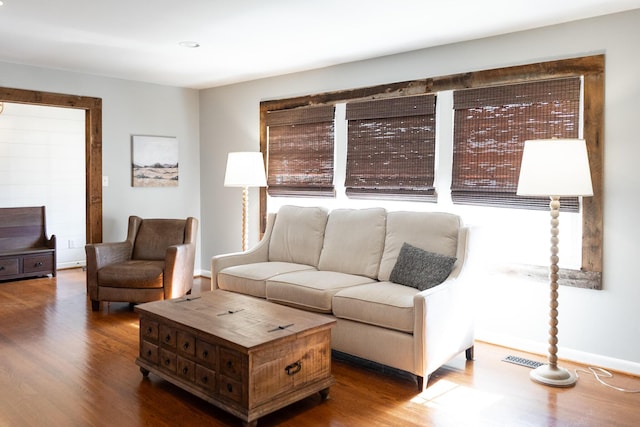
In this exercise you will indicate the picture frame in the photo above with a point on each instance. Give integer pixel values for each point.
(154, 161)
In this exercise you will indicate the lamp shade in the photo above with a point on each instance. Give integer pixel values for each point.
(555, 167)
(245, 169)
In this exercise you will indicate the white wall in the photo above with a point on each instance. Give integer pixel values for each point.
(130, 108)
(598, 327)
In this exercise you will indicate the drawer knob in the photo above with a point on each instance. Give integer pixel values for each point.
(149, 353)
(167, 362)
(185, 346)
(185, 370)
(167, 338)
(149, 330)
(1, 267)
(294, 368)
(39, 264)
(229, 388)
(205, 379)
(229, 364)
(205, 354)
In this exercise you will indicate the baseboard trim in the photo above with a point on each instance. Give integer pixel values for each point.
(568, 354)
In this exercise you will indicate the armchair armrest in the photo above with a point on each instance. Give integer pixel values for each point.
(178, 273)
(100, 255)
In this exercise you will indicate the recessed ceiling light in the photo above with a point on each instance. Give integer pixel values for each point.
(190, 44)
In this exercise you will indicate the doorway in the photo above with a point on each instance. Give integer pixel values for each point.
(93, 146)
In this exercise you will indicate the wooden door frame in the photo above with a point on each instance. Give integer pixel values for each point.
(93, 145)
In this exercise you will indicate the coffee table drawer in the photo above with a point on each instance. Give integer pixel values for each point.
(279, 369)
(206, 353)
(232, 364)
(186, 369)
(230, 389)
(168, 336)
(148, 330)
(149, 351)
(168, 360)
(206, 378)
(186, 343)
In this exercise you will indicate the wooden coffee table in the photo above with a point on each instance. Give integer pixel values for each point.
(245, 355)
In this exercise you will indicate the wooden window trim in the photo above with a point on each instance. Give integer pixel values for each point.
(590, 67)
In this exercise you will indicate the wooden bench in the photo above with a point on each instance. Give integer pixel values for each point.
(25, 250)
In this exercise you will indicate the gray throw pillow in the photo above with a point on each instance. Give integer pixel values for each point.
(421, 269)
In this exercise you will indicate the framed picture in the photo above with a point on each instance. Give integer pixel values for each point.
(154, 161)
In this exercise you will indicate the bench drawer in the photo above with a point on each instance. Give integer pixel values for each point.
(35, 263)
(9, 266)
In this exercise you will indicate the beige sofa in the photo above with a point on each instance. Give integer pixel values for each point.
(341, 263)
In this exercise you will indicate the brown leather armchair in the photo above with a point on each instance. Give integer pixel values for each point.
(155, 262)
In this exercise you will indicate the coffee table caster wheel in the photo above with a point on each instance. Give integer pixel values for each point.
(324, 394)
(144, 372)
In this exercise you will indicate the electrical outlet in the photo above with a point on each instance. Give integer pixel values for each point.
(71, 244)
(105, 181)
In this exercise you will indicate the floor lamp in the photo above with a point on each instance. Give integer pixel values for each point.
(245, 169)
(555, 168)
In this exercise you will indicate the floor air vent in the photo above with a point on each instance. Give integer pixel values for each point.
(522, 362)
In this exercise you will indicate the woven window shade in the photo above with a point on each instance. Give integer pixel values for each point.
(490, 127)
(300, 152)
(391, 148)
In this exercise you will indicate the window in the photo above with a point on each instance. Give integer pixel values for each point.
(588, 70)
(300, 154)
(391, 148)
(490, 127)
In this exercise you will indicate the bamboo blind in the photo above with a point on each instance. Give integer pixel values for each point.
(490, 127)
(391, 148)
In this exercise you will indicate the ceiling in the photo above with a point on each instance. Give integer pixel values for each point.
(243, 40)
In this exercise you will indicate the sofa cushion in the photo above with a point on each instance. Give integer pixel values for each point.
(310, 290)
(421, 269)
(354, 241)
(298, 233)
(137, 274)
(432, 231)
(384, 304)
(251, 278)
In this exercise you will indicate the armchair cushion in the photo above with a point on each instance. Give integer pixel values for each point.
(155, 236)
(421, 269)
(132, 274)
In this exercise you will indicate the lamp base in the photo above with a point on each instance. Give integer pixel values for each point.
(553, 376)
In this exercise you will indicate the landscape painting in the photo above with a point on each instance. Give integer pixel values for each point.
(154, 161)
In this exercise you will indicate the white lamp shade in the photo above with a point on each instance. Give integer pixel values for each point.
(245, 169)
(555, 167)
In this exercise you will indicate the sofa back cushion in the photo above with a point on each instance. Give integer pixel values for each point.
(298, 233)
(353, 241)
(432, 231)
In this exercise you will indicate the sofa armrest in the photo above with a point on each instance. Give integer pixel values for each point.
(444, 319)
(444, 325)
(258, 253)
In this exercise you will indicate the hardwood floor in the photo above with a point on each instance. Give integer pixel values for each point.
(63, 365)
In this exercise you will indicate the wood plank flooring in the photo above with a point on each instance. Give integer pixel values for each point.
(63, 365)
